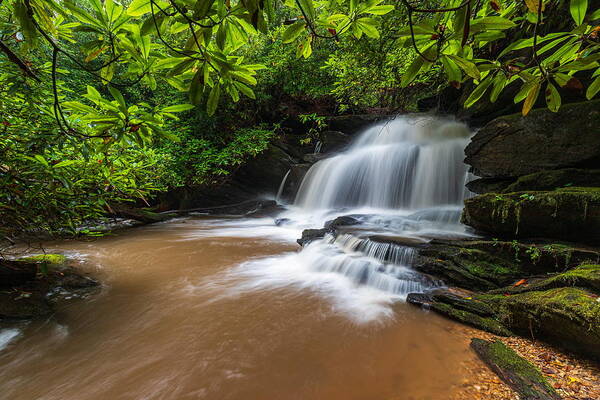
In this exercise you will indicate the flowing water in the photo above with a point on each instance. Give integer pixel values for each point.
(205, 308)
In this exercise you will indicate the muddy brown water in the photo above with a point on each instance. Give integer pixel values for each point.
(178, 318)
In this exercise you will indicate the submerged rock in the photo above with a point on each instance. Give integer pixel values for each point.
(517, 372)
(50, 282)
(513, 145)
(566, 214)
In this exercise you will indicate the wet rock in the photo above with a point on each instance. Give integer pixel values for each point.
(14, 273)
(513, 145)
(489, 185)
(334, 141)
(312, 158)
(16, 304)
(345, 220)
(282, 221)
(351, 124)
(517, 372)
(53, 282)
(308, 235)
(460, 306)
(565, 214)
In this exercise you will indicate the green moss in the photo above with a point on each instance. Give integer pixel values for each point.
(484, 323)
(55, 259)
(515, 370)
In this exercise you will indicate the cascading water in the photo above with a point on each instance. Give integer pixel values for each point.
(400, 164)
(405, 179)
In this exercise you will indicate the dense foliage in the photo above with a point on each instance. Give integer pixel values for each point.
(100, 97)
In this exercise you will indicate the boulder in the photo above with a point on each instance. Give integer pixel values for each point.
(514, 145)
(568, 317)
(567, 214)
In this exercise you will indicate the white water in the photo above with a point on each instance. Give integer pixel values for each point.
(404, 163)
(405, 181)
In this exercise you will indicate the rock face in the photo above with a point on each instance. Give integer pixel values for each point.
(513, 145)
(566, 214)
(544, 180)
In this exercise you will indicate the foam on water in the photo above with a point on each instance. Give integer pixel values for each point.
(7, 336)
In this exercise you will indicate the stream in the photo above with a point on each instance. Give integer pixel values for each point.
(229, 308)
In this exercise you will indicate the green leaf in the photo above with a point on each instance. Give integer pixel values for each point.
(593, 89)
(245, 89)
(213, 99)
(202, 8)
(500, 82)
(491, 23)
(293, 31)
(63, 163)
(478, 92)
(467, 66)
(532, 96)
(368, 26)
(197, 86)
(308, 8)
(119, 98)
(380, 10)
(412, 71)
(177, 108)
(139, 7)
(452, 70)
(578, 9)
(552, 98)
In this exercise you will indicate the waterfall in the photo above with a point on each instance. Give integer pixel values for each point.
(406, 163)
(402, 182)
(282, 186)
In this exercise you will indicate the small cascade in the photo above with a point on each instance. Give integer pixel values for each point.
(332, 255)
(318, 147)
(282, 186)
(382, 251)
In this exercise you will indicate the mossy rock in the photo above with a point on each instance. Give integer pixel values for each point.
(460, 306)
(490, 264)
(565, 214)
(567, 316)
(556, 179)
(54, 259)
(517, 372)
(585, 276)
